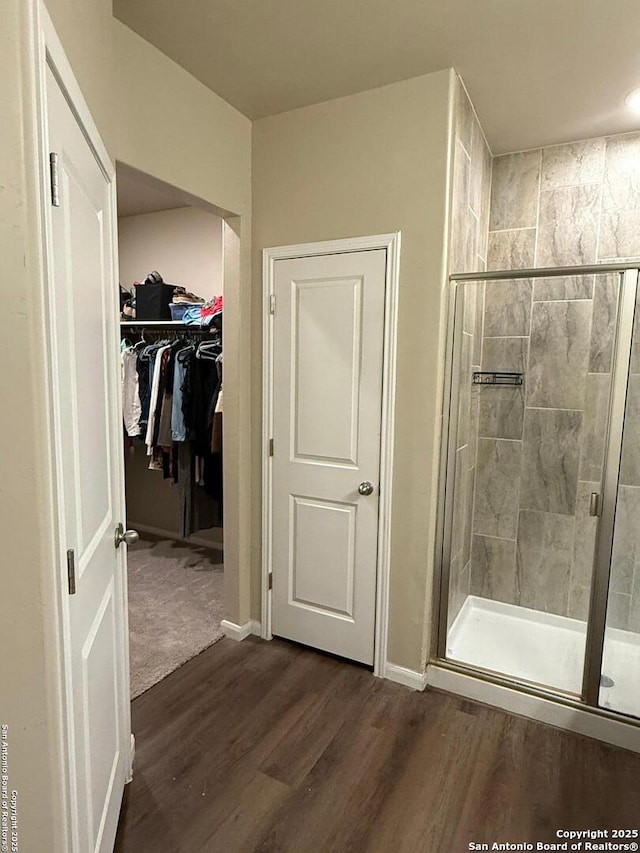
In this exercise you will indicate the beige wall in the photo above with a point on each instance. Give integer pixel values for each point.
(373, 163)
(85, 30)
(184, 245)
(171, 126)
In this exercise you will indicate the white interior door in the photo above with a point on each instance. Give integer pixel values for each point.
(328, 335)
(88, 436)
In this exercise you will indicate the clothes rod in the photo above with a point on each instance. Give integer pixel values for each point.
(164, 324)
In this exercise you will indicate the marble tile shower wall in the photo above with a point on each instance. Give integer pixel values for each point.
(469, 227)
(540, 446)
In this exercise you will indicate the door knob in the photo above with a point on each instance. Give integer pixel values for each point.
(365, 488)
(127, 536)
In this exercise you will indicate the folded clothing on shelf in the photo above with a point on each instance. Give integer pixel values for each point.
(212, 312)
(182, 295)
(192, 315)
(204, 315)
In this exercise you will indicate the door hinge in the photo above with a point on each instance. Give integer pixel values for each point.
(55, 179)
(272, 303)
(270, 580)
(270, 447)
(71, 571)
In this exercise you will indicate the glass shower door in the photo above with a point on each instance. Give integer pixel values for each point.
(620, 676)
(531, 390)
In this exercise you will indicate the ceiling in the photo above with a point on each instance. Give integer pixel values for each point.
(538, 71)
(143, 195)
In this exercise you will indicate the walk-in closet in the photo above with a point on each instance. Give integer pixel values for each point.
(171, 302)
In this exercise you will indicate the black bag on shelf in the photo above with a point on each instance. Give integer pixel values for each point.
(153, 298)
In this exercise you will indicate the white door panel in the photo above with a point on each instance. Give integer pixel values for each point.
(85, 380)
(328, 359)
(323, 542)
(326, 350)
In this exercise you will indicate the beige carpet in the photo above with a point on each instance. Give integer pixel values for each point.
(176, 605)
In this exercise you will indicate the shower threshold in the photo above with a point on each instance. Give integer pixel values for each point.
(544, 649)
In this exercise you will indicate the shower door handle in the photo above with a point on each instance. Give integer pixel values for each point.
(594, 504)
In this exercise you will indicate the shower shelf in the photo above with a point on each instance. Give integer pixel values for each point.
(497, 377)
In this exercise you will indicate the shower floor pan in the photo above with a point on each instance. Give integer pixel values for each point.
(544, 649)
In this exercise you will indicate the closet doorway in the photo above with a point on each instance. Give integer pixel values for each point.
(171, 299)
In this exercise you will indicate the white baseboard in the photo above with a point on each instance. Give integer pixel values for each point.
(407, 677)
(239, 632)
(607, 729)
(168, 534)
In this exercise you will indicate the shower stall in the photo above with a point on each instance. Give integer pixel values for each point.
(540, 501)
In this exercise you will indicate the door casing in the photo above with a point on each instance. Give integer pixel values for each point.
(49, 52)
(391, 244)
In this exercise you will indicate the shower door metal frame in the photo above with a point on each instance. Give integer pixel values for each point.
(597, 618)
(597, 622)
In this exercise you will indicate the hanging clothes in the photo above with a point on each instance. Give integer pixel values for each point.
(156, 373)
(172, 389)
(131, 406)
(178, 425)
(144, 387)
(216, 430)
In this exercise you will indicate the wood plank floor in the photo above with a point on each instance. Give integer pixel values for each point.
(258, 746)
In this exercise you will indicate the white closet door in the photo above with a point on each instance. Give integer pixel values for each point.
(328, 360)
(89, 432)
